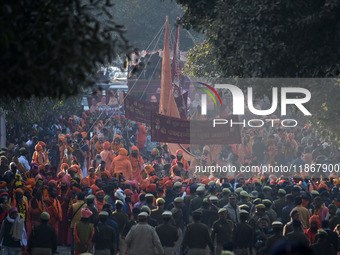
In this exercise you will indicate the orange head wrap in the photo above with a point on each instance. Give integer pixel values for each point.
(62, 139)
(64, 165)
(149, 169)
(72, 169)
(38, 147)
(94, 189)
(19, 190)
(30, 182)
(144, 184)
(42, 144)
(134, 148)
(106, 145)
(100, 191)
(179, 151)
(123, 151)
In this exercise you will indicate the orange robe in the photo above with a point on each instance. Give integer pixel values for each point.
(39, 157)
(92, 181)
(33, 216)
(107, 156)
(99, 147)
(141, 137)
(116, 148)
(183, 161)
(55, 213)
(121, 164)
(136, 164)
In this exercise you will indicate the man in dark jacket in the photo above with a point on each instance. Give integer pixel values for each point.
(167, 233)
(104, 237)
(243, 235)
(322, 246)
(43, 238)
(197, 237)
(112, 223)
(222, 230)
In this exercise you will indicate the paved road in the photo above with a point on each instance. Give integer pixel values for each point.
(64, 250)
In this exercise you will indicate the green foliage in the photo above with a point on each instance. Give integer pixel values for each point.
(51, 48)
(25, 112)
(271, 38)
(202, 62)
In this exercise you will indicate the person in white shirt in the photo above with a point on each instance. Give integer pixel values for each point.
(29, 142)
(23, 160)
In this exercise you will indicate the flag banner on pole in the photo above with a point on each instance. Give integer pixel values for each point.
(175, 130)
(139, 110)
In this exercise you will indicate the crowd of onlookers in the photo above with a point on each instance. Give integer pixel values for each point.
(99, 183)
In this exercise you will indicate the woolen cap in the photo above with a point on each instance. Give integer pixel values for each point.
(297, 186)
(211, 183)
(244, 193)
(232, 196)
(119, 202)
(90, 197)
(322, 232)
(160, 201)
(226, 191)
(266, 188)
(266, 202)
(260, 206)
(314, 192)
(86, 213)
(244, 212)
(277, 224)
(104, 213)
(146, 208)
(149, 195)
(254, 194)
(244, 207)
(282, 191)
(222, 210)
(213, 198)
(45, 216)
(257, 200)
(200, 189)
(167, 214)
(177, 184)
(179, 200)
(238, 190)
(143, 215)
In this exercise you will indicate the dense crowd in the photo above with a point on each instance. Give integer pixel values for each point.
(98, 183)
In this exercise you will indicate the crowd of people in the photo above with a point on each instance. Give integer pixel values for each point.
(99, 184)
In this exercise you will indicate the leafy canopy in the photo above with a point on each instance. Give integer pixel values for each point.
(52, 48)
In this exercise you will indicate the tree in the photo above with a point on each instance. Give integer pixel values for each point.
(21, 114)
(51, 48)
(271, 38)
